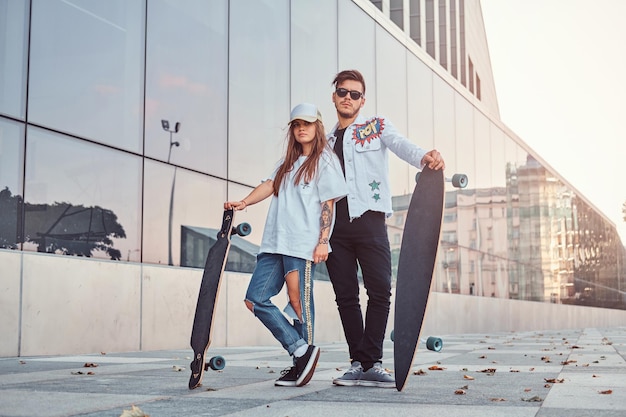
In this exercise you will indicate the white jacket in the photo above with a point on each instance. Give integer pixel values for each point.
(365, 144)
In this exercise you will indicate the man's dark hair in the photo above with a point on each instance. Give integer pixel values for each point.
(353, 75)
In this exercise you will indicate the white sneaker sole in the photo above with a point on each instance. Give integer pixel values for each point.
(309, 369)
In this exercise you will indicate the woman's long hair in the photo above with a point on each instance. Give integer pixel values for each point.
(308, 169)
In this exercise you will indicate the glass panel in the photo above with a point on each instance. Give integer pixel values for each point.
(80, 198)
(180, 209)
(392, 103)
(444, 130)
(311, 78)
(186, 83)
(11, 169)
(13, 38)
(420, 103)
(511, 152)
(86, 69)
(258, 105)
(357, 28)
(458, 236)
(444, 122)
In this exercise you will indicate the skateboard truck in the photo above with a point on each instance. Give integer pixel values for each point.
(457, 180)
(432, 343)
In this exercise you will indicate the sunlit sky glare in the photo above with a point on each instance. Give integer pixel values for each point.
(560, 73)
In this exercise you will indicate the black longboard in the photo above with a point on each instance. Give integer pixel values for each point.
(418, 252)
(209, 289)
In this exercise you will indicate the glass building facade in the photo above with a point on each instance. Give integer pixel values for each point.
(125, 125)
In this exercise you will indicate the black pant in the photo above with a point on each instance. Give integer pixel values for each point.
(364, 240)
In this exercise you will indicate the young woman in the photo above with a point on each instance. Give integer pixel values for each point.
(304, 188)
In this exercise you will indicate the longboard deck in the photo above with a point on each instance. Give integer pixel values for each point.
(416, 264)
(207, 297)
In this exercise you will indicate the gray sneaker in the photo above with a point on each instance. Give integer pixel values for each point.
(376, 376)
(351, 377)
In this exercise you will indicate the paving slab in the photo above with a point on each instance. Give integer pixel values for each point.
(573, 373)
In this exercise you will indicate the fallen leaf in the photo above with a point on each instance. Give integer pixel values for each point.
(420, 372)
(482, 357)
(22, 363)
(527, 389)
(496, 399)
(77, 373)
(608, 391)
(568, 362)
(534, 399)
(134, 412)
(514, 370)
(554, 380)
(90, 365)
(488, 371)
(459, 392)
(471, 378)
(177, 368)
(436, 368)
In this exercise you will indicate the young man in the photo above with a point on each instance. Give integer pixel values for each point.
(360, 234)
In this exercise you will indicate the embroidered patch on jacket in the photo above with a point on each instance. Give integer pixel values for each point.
(375, 185)
(368, 131)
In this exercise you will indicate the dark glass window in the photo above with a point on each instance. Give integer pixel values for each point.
(86, 69)
(81, 198)
(11, 169)
(187, 83)
(13, 35)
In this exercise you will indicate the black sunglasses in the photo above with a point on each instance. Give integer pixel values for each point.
(354, 95)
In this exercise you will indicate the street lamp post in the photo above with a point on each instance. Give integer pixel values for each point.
(165, 124)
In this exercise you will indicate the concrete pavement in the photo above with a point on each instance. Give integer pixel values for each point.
(569, 373)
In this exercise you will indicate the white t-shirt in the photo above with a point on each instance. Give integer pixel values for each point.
(292, 227)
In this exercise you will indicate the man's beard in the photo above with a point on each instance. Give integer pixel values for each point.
(348, 114)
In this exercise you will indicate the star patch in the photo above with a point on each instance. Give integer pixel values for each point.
(368, 131)
(376, 197)
(375, 185)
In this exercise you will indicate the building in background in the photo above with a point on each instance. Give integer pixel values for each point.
(125, 125)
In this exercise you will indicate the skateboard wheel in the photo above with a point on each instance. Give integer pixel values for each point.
(217, 363)
(391, 336)
(243, 229)
(459, 180)
(434, 343)
(417, 176)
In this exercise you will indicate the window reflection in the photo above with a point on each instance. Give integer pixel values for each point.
(80, 198)
(179, 208)
(11, 168)
(13, 35)
(86, 69)
(187, 82)
(258, 105)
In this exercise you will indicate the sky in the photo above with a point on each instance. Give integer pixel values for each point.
(560, 74)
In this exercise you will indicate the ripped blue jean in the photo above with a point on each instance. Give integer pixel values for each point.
(266, 282)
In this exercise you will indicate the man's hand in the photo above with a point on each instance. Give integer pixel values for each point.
(433, 160)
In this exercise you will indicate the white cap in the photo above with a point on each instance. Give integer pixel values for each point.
(307, 112)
